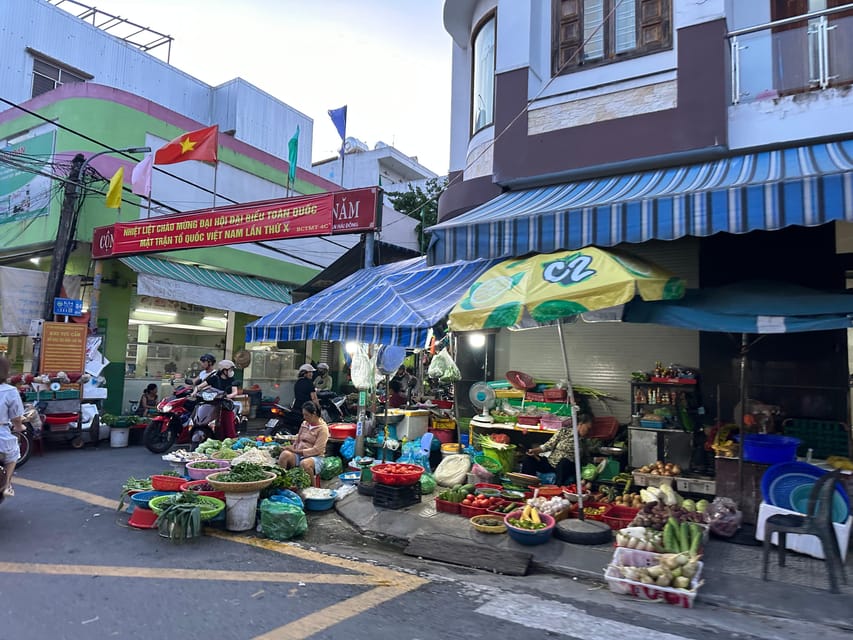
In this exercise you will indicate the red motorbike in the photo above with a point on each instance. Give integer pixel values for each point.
(173, 423)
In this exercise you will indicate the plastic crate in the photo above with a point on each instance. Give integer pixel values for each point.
(531, 396)
(600, 517)
(554, 422)
(469, 512)
(528, 420)
(824, 437)
(555, 395)
(447, 507)
(386, 496)
(651, 424)
(651, 480)
(623, 556)
(619, 517)
(67, 394)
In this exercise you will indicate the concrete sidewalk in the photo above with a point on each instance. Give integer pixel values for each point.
(732, 573)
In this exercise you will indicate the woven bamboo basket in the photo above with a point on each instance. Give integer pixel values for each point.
(240, 487)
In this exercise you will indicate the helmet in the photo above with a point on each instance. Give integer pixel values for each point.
(322, 367)
(305, 367)
(208, 357)
(224, 364)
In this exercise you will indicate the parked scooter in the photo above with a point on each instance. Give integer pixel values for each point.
(172, 424)
(288, 420)
(207, 411)
(32, 422)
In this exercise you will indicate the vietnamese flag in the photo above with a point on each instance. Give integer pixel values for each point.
(194, 145)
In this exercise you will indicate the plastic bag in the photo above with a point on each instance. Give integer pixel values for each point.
(443, 368)
(427, 483)
(348, 449)
(723, 517)
(332, 467)
(452, 470)
(287, 496)
(362, 369)
(282, 520)
(482, 474)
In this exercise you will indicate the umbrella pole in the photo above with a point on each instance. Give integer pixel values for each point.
(571, 397)
(744, 348)
(387, 401)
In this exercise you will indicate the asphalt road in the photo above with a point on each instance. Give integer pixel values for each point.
(71, 568)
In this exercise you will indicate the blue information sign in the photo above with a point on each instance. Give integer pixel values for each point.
(67, 307)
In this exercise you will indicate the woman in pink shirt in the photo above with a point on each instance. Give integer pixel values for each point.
(309, 448)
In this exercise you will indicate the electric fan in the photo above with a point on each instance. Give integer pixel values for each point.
(482, 396)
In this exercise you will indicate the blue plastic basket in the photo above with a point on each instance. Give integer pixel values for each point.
(320, 504)
(350, 477)
(780, 481)
(141, 499)
(765, 448)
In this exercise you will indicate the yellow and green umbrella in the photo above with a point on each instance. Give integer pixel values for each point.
(537, 290)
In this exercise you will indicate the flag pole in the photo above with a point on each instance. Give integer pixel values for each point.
(343, 155)
(215, 173)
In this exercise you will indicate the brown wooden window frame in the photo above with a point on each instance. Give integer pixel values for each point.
(653, 20)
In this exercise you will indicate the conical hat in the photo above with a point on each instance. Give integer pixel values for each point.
(242, 358)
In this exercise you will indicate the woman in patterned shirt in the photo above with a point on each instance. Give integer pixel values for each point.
(561, 452)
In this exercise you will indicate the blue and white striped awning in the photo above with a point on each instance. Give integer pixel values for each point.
(808, 186)
(394, 304)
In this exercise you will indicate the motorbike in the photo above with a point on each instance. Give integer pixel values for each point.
(286, 420)
(32, 422)
(183, 419)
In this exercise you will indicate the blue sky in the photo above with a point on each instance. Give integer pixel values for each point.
(388, 60)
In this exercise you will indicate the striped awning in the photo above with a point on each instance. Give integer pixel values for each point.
(394, 304)
(206, 287)
(766, 190)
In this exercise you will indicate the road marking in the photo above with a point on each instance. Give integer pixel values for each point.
(386, 584)
(85, 496)
(184, 574)
(565, 619)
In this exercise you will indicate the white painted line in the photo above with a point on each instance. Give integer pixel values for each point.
(557, 617)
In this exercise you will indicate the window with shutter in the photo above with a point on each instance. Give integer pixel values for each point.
(594, 32)
(48, 75)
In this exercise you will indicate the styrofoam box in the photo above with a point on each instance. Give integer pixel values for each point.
(625, 557)
(651, 480)
(413, 425)
(809, 545)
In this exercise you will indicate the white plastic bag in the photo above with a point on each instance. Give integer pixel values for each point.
(452, 470)
(443, 368)
(362, 369)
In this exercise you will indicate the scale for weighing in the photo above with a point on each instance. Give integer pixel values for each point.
(609, 468)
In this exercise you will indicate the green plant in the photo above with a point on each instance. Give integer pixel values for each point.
(180, 520)
(132, 485)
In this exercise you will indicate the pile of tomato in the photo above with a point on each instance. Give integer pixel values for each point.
(481, 502)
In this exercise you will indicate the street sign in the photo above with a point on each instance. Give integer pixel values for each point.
(67, 307)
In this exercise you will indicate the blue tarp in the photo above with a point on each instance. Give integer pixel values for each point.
(749, 307)
(394, 304)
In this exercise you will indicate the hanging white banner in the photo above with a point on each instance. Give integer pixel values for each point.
(22, 297)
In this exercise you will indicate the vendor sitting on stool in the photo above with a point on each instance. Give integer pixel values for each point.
(562, 447)
(308, 449)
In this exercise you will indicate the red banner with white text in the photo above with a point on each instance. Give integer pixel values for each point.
(350, 211)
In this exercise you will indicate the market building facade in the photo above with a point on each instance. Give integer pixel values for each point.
(83, 93)
(674, 131)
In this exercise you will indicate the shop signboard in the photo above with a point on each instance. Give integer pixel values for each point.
(67, 307)
(63, 347)
(349, 211)
(26, 194)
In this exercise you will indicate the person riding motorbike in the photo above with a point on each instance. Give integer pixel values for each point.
(303, 389)
(207, 362)
(11, 422)
(322, 379)
(223, 380)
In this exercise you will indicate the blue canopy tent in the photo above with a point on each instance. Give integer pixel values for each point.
(760, 307)
(393, 304)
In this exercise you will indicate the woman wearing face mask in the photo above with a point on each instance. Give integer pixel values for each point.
(223, 380)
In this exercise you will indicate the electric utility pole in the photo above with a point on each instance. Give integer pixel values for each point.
(64, 237)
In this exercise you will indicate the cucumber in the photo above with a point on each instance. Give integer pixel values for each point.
(684, 537)
(467, 488)
(695, 539)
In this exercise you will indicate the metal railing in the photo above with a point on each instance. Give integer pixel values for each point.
(804, 53)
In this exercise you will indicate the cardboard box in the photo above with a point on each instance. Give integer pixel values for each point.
(809, 545)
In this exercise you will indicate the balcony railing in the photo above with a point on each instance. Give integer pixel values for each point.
(805, 53)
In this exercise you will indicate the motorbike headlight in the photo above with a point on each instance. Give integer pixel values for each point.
(208, 395)
(167, 408)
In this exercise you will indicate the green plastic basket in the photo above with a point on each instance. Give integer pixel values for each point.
(505, 457)
(210, 507)
(492, 466)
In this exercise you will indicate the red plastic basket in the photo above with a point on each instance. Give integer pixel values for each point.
(447, 507)
(211, 493)
(528, 420)
(619, 517)
(531, 396)
(555, 395)
(600, 517)
(382, 476)
(469, 512)
(167, 483)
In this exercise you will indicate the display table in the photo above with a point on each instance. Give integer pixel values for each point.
(746, 492)
(809, 545)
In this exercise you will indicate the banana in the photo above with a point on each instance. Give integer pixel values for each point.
(534, 515)
(525, 515)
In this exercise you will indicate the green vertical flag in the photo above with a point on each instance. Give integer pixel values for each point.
(292, 152)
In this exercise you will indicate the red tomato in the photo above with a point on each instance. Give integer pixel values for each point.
(466, 502)
(471, 497)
